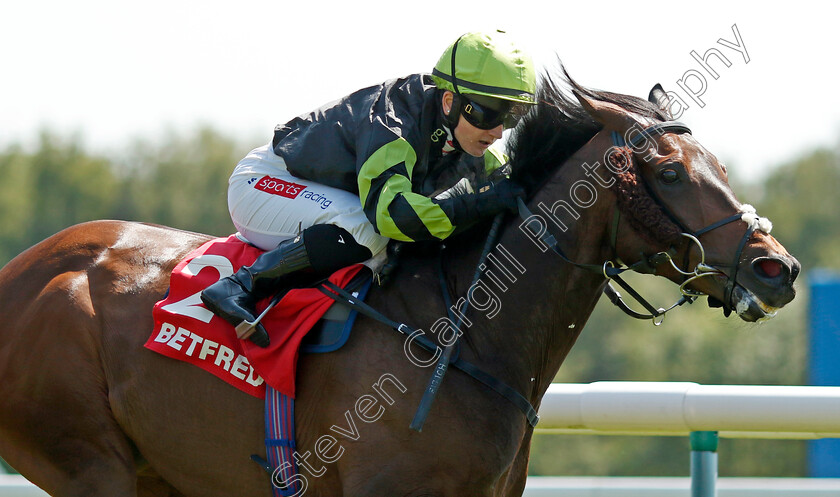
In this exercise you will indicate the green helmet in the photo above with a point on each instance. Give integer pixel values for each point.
(487, 64)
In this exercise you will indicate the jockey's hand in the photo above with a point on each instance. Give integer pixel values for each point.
(386, 274)
(498, 197)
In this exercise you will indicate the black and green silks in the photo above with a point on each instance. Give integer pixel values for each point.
(386, 144)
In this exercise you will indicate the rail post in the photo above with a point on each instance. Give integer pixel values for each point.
(704, 463)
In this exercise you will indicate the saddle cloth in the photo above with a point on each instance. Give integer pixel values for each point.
(186, 330)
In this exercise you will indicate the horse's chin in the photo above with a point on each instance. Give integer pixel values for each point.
(749, 307)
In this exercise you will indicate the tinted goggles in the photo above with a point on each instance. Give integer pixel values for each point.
(485, 115)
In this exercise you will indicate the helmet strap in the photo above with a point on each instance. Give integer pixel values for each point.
(455, 110)
(449, 123)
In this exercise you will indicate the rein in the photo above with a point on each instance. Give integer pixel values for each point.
(611, 271)
(443, 362)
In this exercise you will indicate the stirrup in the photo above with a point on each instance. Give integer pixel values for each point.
(258, 336)
(252, 330)
(246, 328)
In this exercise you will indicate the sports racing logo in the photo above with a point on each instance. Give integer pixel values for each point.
(277, 186)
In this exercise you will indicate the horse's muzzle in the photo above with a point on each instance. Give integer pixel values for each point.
(765, 288)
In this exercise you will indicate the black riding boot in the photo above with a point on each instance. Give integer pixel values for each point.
(234, 298)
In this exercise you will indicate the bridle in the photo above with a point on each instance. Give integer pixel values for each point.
(612, 269)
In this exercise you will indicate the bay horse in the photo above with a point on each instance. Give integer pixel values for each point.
(87, 411)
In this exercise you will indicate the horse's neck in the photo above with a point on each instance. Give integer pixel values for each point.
(542, 312)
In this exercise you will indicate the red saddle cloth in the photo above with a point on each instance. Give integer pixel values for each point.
(186, 330)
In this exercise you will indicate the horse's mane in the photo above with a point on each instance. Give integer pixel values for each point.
(558, 126)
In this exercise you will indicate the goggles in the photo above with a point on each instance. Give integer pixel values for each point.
(489, 113)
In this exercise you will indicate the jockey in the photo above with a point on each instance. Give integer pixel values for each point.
(409, 159)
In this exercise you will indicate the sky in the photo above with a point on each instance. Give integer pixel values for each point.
(111, 71)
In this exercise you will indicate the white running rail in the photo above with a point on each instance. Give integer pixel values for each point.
(655, 408)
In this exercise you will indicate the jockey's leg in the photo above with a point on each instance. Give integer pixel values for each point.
(309, 230)
(302, 261)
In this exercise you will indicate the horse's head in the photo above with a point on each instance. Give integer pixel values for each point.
(674, 198)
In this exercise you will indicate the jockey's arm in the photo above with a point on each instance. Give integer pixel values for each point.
(385, 190)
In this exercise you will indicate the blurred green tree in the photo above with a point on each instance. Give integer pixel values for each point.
(181, 183)
(56, 186)
(801, 197)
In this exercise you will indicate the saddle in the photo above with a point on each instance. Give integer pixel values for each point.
(305, 320)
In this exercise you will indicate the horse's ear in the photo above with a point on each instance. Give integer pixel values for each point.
(612, 116)
(659, 98)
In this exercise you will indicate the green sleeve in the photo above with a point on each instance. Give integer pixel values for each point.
(385, 190)
(493, 159)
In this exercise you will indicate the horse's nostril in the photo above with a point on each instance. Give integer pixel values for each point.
(769, 268)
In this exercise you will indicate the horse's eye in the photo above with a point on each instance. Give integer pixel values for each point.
(669, 176)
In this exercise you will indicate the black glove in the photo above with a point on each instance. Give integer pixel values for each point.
(495, 198)
(387, 272)
(491, 199)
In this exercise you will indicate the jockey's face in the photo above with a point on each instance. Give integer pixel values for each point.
(473, 141)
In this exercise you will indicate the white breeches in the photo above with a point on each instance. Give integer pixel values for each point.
(268, 205)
